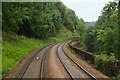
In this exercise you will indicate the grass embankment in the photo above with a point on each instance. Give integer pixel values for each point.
(15, 47)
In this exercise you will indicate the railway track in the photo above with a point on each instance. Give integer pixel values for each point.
(34, 69)
(73, 69)
(37, 67)
(43, 64)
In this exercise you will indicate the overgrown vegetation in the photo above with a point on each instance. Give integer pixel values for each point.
(106, 64)
(103, 40)
(27, 26)
(39, 20)
(15, 47)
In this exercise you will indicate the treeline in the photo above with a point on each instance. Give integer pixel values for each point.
(103, 37)
(106, 32)
(38, 19)
(103, 40)
(89, 24)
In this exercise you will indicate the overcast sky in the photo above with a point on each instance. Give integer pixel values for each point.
(89, 10)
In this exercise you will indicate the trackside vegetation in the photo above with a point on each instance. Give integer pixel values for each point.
(16, 47)
(27, 26)
(103, 40)
(38, 20)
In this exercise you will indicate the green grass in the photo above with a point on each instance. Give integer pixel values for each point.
(64, 34)
(15, 48)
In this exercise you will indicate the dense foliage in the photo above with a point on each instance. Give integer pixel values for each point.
(103, 37)
(106, 35)
(103, 40)
(16, 47)
(38, 20)
(49, 21)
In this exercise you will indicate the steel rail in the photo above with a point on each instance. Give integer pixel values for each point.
(78, 65)
(63, 64)
(75, 64)
(20, 76)
(43, 61)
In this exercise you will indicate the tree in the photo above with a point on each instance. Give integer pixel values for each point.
(38, 20)
(101, 38)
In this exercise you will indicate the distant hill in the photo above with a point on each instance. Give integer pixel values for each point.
(88, 24)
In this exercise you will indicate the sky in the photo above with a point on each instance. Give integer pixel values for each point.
(89, 10)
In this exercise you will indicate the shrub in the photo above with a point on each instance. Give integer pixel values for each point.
(106, 64)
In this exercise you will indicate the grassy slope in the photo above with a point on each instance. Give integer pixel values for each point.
(17, 47)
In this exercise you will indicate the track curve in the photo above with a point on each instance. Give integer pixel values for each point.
(52, 62)
(73, 69)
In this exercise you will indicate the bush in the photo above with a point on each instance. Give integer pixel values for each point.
(106, 64)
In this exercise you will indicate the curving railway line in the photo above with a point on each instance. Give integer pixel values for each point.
(52, 62)
(73, 69)
(34, 68)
